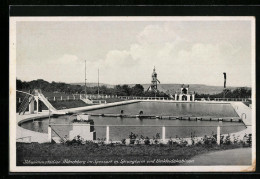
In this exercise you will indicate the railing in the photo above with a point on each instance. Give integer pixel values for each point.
(144, 98)
(222, 99)
(104, 97)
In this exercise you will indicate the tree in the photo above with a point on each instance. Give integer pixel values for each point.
(127, 90)
(19, 84)
(137, 90)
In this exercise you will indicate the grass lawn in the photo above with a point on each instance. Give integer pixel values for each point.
(66, 104)
(108, 155)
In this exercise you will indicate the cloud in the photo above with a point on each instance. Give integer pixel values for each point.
(125, 52)
(66, 59)
(155, 34)
(119, 58)
(172, 55)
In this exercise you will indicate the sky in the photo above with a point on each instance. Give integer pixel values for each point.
(125, 52)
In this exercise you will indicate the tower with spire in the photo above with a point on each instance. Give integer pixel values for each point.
(154, 82)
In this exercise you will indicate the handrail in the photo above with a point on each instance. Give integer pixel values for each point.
(58, 135)
(69, 124)
(24, 92)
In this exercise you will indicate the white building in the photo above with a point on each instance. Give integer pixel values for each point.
(184, 94)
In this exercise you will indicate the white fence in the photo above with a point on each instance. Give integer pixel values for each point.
(95, 96)
(108, 129)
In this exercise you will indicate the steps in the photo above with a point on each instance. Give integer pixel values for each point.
(25, 103)
(87, 101)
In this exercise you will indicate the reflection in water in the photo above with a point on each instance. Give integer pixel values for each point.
(118, 133)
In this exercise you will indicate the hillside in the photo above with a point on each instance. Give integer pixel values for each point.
(198, 88)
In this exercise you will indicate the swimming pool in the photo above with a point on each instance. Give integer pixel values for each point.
(149, 127)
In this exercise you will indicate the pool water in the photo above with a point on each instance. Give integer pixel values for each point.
(185, 128)
(174, 109)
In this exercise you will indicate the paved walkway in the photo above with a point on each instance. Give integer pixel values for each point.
(241, 156)
(100, 106)
(24, 135)
(243, 111)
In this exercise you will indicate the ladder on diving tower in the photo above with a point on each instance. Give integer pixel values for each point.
(25, 103)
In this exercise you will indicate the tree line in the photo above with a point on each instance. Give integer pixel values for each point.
(242, 92)
(119, 90)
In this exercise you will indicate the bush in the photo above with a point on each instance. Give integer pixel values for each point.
(209, 140)
(147, 141)
(132, 138)
(227, 140)
(111, 143)
(101, 141)
(249, 140)
(221, 139)
(182, 143)
(137, 142)
(123, 141)
(91, 144)
(156, 140)
(77, 140)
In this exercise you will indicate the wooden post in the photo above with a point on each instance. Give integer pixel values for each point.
(107, 135)
(37, 104)
(163, 134)
(31, 106)
(49, 133)
(218, 135)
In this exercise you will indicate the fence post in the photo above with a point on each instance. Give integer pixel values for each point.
(218, 135)
(37, 104)
(49, 133)
(61, 98)
(163, 134)
(107, 135)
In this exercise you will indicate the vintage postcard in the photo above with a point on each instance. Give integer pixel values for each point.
(132, 94)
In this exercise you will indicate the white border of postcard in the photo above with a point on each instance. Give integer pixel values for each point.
(12, 104)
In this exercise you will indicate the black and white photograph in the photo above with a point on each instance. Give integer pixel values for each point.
(132, 94)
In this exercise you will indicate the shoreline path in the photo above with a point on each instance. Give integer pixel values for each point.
(240, 156)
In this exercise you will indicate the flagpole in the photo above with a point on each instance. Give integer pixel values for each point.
(224, 92)
(98, 82)
(85, 81)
